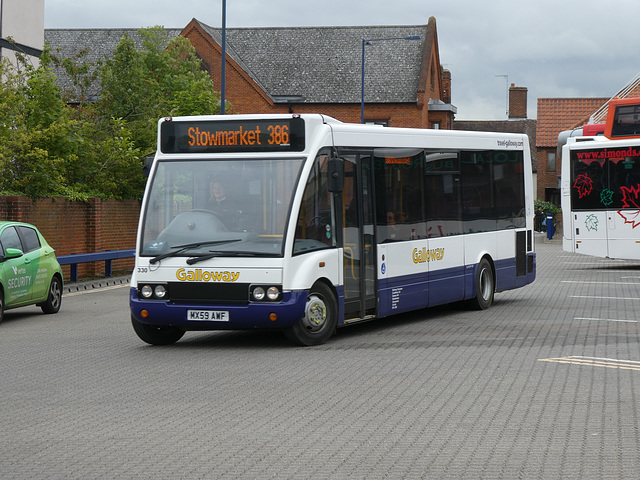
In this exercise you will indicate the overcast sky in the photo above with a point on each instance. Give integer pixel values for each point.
(555, 48)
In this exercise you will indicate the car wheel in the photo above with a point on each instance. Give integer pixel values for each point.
(1, 305)
(156, 335)
(320, 318)
(54, 299)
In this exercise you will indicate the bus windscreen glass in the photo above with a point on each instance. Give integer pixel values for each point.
(606, 178)
(626, 121)
(235, 207)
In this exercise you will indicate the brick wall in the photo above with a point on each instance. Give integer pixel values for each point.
(394, 115)
(80, 227)
(546, 178)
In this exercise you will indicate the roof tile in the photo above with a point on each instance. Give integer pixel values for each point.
(321, 64)
(558, 114)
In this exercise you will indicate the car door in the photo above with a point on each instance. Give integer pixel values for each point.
(16, 273)
(35, 262)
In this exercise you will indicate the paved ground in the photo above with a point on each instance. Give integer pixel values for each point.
(544, 385)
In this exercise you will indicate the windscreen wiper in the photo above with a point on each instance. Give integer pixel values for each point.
(187, 246)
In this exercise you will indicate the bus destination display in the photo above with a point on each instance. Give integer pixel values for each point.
(277, 135)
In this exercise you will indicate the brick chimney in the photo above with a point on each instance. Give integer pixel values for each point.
(446, 86)
(517, 101)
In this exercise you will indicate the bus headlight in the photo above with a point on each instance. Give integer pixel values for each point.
(153, 292)
(266, 293)
(273, 293)
(258, 293)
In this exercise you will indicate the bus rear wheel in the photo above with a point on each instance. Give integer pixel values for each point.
(155, 335)
(485, 286)
(320, 318)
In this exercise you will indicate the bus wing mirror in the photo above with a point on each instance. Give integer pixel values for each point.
(336, 175)
(146, 167)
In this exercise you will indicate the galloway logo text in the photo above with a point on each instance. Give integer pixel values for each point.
(199, 275)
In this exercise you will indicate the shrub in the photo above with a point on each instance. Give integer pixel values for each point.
(547, 207)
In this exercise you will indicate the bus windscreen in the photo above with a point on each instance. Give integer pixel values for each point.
(605, 178)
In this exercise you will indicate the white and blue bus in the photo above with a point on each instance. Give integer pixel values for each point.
(305, 224)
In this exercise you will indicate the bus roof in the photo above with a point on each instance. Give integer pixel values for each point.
(250, 133)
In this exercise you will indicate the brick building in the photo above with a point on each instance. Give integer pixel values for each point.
(310, 69)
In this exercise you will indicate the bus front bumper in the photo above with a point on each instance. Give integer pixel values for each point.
(219, 317)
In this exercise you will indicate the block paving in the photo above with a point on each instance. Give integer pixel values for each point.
(543, 385)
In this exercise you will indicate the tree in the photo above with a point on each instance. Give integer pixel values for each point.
(48, 148)
(35, 129)
(141, 86)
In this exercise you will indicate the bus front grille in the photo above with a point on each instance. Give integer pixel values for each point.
(198, 292)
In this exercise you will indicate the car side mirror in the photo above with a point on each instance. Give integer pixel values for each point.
(13, 253)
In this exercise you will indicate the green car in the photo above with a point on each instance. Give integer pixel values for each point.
(29, 271)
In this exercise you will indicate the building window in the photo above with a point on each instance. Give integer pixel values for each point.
(551, 162)
(552, 195)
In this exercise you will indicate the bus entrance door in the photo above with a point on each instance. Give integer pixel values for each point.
(359, 241)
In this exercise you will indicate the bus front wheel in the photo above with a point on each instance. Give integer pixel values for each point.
(485, 286)
(320, 318)
(155, 335)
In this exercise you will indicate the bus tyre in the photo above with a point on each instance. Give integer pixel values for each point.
(54, 298)
(320, 318)
(485, 286)
(155, 335)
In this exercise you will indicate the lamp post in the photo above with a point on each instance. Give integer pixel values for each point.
(224, 55)
(369, 42)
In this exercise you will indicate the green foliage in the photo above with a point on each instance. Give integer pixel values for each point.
(547, 207)
(34, 131)
(143, 86)
(49, 148)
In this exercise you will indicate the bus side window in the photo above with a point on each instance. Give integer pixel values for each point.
(400, 209)
(314, 228)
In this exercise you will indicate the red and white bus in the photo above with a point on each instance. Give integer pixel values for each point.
(601, 186)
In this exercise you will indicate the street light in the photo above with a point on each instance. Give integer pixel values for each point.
(368, 42)
(224, 56)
